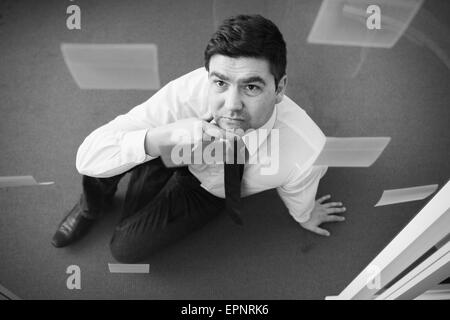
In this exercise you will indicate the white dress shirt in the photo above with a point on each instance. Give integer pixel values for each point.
(118, 146)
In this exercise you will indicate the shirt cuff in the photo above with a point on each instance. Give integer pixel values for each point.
(305, 215)
(133, 148)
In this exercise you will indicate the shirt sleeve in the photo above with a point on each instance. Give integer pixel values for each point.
(118, 146)
(299, 192)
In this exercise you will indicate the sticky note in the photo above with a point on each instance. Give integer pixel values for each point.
(19, 181)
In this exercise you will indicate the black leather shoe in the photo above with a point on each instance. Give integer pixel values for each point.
(72, 228)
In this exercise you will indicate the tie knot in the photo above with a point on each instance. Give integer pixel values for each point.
(237, 152)
(233, 172)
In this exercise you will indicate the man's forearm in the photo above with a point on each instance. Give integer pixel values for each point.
(189, 129)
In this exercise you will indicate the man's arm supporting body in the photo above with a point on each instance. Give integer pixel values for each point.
(299, 192)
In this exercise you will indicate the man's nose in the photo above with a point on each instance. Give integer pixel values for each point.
(233, 100)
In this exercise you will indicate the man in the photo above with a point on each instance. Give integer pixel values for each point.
(240, 89)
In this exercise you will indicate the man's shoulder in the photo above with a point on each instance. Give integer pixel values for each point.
(182, 97)
(199, 75)
(294, 122)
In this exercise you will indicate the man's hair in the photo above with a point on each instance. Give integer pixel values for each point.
(250, 36)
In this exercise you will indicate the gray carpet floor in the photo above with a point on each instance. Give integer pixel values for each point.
(400, 92)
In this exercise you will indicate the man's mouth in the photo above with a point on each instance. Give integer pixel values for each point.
(233, 119)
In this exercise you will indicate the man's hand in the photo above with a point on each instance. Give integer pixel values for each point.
(323, 212)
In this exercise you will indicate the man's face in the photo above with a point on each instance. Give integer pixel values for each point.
(242, 92)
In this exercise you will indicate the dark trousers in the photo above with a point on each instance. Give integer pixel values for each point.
(161, 206)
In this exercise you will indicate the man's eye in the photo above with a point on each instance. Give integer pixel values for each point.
(219, 83)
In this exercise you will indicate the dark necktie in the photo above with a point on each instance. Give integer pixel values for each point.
(232, 177)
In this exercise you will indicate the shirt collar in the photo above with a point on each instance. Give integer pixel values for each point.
(260, 135)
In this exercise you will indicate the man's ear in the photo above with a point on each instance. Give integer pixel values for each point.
(281, 89)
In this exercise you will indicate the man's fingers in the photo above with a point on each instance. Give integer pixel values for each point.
(322, 199)
(238, 133)
(336, 210)
(321, 231)
(333, 218)
(207, 117)
(332, 204)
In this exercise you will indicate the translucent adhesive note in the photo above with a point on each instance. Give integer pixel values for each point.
(406, 194)
(210, 152)
(5, 294)
(113, 66)
(351, 152)
(19, 181)
(128, 268)
(224, 9)
(354, 22)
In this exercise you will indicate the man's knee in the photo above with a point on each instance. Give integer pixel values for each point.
(122, 252)
(319, 171)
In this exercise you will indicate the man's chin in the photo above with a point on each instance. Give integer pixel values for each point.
(232, 125)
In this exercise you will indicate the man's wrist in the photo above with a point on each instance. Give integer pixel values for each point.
(153, 139)
(306, 217)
